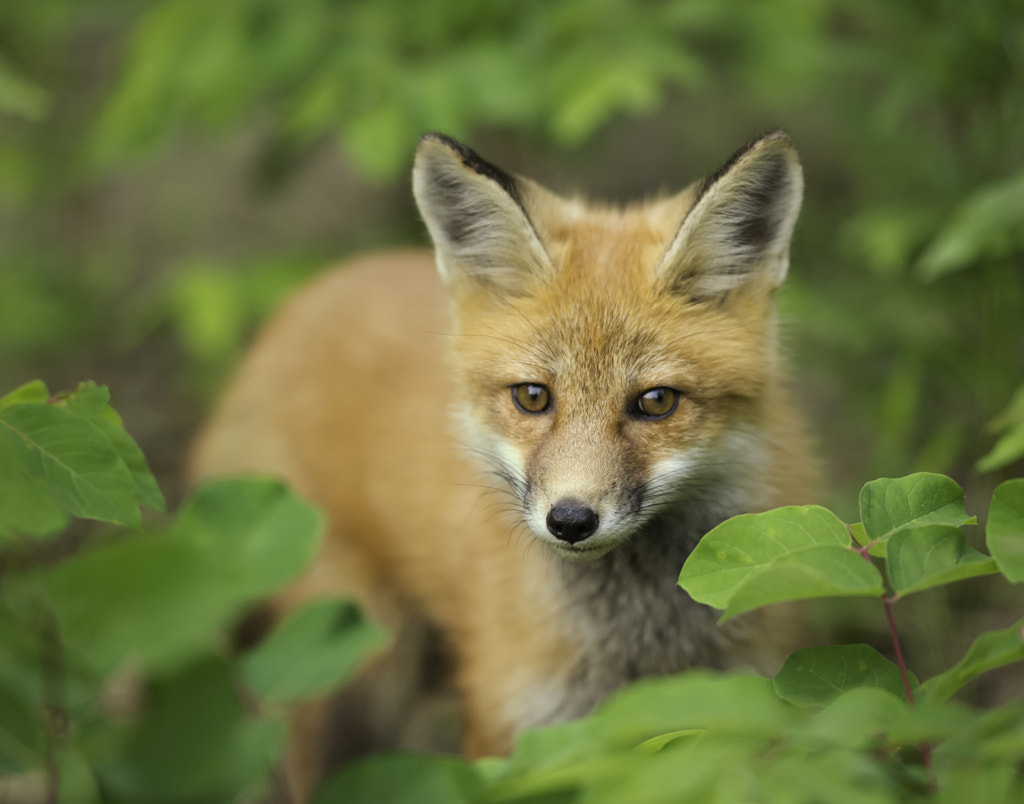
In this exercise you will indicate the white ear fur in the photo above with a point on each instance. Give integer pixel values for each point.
(476, 216)
(740, 225)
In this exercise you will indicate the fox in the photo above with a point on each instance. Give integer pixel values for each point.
(519, 438)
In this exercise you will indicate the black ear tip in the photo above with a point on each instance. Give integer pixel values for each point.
(442, 139)
(465, 154)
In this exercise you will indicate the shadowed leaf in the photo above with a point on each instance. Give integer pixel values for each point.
(1004, 532)
(931, 555)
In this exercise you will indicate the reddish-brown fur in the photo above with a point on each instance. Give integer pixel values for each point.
(369, 390)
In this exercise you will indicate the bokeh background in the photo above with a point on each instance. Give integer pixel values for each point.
(169, 169)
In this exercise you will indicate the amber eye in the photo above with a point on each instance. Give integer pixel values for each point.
(657, 403)
(531, 398)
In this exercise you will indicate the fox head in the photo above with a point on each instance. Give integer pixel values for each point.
(614, 366)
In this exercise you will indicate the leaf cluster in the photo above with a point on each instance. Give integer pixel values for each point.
(116, 681)
(836, 724)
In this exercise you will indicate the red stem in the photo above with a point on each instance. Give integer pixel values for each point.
(926, 749)
(897, 649)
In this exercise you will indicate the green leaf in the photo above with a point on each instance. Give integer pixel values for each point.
(742, 546)
(91, 402)
(21, 735)
(997, 734)
(737, 704)
(21, 97)
(827, 571)
(985, 225)
(701, 771)
(817, 676)
(76, 461)
(27, 507)
(194, 742)
(157, 599)
(888, 504)
(786, 554)
(1004, 532)
(333, 639)
(1009, 448)
(854, 718)
(402, 777)
(989, 782)
(924, 556)
(989, 651)
(379, 140)
(31, 392)
(208, 308)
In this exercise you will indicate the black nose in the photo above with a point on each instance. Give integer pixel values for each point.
(571, 521)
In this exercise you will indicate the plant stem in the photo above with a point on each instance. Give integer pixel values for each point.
(897, 650)
(926, 749)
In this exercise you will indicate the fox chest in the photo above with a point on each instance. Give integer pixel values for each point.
(626, 619)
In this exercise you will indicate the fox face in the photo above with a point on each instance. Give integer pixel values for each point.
(612, 367)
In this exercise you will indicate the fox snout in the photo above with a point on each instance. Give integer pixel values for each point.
(572, 521)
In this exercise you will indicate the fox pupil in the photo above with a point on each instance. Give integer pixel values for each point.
(657, 402)
(530, 397)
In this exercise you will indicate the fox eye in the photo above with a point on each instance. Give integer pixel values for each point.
(657, 403)
(531, 398)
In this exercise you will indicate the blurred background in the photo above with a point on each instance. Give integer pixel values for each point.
(169, 169)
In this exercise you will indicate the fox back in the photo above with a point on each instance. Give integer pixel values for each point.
(517, 452)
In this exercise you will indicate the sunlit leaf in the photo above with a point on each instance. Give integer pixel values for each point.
(786, 554)
(826, 571)
(31, 392)
(76, 461)
(735, 704)
(92, 403)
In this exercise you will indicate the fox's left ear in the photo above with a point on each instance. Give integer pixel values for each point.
(738, 230)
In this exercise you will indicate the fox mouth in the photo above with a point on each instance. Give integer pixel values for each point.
(581, 551)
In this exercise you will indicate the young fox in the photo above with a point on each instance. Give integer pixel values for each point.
(519, 456)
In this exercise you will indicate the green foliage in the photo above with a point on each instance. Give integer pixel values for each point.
(913, 165)
(836, 724)
(1010, 446)
(113, 676)
(376, 75)
(115, 684)
(68, 456)
(814, 676)
(331, 636)
(787, 554)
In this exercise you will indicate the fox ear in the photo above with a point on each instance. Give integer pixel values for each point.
(740, 225)
(476, 216)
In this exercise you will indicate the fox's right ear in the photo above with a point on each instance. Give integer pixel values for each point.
(476, 216)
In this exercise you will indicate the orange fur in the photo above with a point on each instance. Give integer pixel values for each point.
(374, 386)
